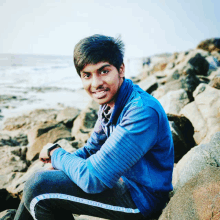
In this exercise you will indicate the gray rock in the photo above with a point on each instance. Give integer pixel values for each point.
(174, 101)
(200, 64)
(204, 113)
(149, 84)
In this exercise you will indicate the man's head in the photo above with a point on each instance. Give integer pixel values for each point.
(98, 48)
(99, 62)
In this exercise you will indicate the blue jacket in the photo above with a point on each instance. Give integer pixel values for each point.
(134, 144)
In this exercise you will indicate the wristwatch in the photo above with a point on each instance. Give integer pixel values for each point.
(51, 148)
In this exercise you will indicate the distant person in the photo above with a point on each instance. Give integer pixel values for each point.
(147, 62)
(124, 171)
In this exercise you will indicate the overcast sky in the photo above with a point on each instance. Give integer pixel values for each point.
(147, 27)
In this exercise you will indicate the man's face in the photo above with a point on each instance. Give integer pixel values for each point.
(102, 81)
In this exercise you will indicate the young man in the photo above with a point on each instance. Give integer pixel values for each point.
(125, 169)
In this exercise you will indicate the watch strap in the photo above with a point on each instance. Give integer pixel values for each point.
(51, 148)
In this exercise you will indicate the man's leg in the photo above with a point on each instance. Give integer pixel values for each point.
(52, 195)
(22, 213)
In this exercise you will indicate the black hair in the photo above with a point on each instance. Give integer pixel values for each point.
(98, 48)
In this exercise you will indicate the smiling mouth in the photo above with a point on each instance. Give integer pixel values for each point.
(100, 94)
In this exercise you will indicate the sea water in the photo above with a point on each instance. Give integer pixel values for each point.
(42, 81)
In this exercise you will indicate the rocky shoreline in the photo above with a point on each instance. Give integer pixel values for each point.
(187, 85)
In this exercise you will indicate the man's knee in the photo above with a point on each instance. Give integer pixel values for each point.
(34, 186)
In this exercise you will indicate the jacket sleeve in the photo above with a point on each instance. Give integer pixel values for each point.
(129, 141)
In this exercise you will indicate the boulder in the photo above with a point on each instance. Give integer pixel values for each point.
(204, 113)
(174, 101)
(197, 159)
(29, 120)
(215, 79)
(210, 45)
(16, 186)
(182, 133)
(67, 116)
(199, 198)
(149, 84)
(12, 167)
(58, 132)
(10, 160)
(6, 139)
(40, 129)
(178, 81)
(200, 64)
(85, 122)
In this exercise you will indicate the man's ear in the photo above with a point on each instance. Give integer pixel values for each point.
(122, 70)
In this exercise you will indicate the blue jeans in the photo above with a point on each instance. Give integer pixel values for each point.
(51, 195)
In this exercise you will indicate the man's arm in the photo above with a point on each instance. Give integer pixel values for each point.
(128, 143)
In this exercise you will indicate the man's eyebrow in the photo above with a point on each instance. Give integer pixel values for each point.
(102, 67)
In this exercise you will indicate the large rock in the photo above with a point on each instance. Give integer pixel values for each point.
(56, 133)
(174, 101)
(40, 129)
(204, 113)
(179, 79)
(12, 138)
(12, 160)
(85, 122)
(182, 133)
(67, 116)
(12, 166)
(29, 120)
(215, 79)
(197, 199)
(16, 186)
(197, 159)
(210, 45)
(200, 64)
(149, 84)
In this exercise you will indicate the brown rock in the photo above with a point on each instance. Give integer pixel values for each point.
(85, 122)
(16, 186)
(40, 129)
(199, 198)
(29, 120)
(215, 82)
(210, 45)
(52, 136)
(67, 116)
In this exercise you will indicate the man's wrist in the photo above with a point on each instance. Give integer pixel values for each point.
(51, 152)
(51, 149)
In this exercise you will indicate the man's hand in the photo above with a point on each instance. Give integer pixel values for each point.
(44, 157)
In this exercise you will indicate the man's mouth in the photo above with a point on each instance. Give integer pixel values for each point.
(99, 94)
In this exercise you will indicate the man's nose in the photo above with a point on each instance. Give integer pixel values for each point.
(97, 81)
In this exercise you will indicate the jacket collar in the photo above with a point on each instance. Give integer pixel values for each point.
(122, 97)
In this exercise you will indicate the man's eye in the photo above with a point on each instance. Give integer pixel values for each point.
(86, 75)
(104, 71)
